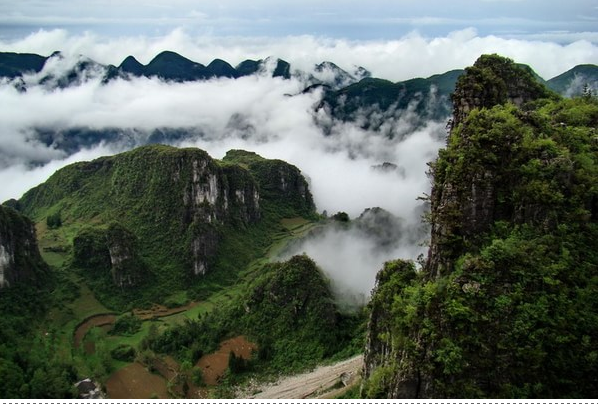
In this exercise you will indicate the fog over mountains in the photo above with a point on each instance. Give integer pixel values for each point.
(336, 125)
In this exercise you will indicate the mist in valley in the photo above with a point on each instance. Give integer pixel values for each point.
(47, 127)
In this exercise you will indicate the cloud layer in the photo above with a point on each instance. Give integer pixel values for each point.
(270, 116)
(340, 18)
(410, 56)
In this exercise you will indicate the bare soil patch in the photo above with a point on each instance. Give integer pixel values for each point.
(213, 366)
(135, 382)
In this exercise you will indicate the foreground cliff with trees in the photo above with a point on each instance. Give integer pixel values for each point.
(505, 304)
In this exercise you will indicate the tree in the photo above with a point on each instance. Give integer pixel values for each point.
(12, 380)
(54, 221)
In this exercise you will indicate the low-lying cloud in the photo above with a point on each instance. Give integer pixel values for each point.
(255, 113)
(352, 253)
(270, 116)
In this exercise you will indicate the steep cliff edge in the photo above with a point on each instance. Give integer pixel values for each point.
(20, 261)
(113, 251)
(282, 185)
(505, 304)
(162, 214)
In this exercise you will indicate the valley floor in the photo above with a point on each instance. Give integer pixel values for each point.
(322, 382)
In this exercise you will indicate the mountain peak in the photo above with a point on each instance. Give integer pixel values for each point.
(172, 66)
(494, 80)
(572, 82)
(131, 65)
(220, 68)
(169, 56)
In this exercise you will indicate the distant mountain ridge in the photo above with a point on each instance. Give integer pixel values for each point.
(171, 66)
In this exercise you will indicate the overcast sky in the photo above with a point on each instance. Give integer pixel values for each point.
(351, 19)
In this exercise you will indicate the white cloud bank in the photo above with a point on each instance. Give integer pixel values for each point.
(404, 58)
(256, 113)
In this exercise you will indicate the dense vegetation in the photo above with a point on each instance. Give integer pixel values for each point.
(506, 305)
(288, 311)
(158, 218)
(29, 367)
(129, 228)
(282, 187)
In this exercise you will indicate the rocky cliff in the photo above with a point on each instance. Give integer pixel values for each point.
(282, 185)
(174, 208)
(20, 261)
(494, 80)
(501, 306)
(113, 251)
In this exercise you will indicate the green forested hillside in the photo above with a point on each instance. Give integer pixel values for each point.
(156, 225)
(155, 256)
(505, 305)
(29, 366)
(572, 82)
(428, 97)
(288, 311)
(158, 219)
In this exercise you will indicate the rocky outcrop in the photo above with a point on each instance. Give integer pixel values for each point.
(280, 183)
(20, 261)
(494, 80)
(111, 252)
(380, 355)
(175, 207)
(127, 268)
(461, 210)
(512, 213)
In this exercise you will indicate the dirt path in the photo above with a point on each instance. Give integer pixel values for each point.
(96, 320)
(315, 384)
(157, 310)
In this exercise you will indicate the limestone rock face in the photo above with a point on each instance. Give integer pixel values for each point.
(127, 269)
(174, 208)
(441, 332)
(20, 261)
(493, 80)
(280, 183)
